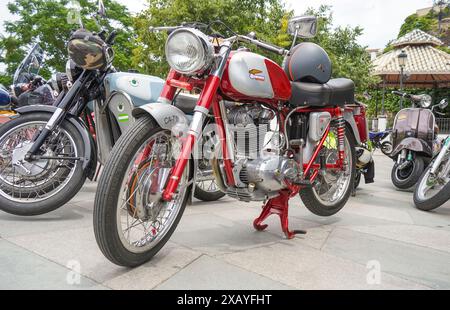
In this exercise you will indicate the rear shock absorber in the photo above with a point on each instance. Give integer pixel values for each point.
(341, 133)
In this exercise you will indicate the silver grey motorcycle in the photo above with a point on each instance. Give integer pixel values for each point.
(433, 188)
(48, 151)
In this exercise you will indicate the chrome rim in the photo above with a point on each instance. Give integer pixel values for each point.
(331, 187)
(30, 182)
(142, 219)
(430, 185)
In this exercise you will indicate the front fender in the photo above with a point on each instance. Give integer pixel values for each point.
(413, 144)
(90, 153)
(167, 116)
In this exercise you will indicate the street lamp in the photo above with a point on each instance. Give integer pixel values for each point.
(402, 58)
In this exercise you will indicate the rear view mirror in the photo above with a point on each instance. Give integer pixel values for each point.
(303, 26)
(443, 104)
(101, 8)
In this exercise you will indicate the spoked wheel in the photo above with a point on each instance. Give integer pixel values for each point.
(206, 188)
(38, 186)
(433, 190)
(333, 187)
(131, 221)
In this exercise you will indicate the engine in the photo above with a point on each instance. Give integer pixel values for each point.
(261, 168)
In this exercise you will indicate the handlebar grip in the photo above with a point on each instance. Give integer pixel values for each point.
(112, 36)
(398, 93)
(162, 28)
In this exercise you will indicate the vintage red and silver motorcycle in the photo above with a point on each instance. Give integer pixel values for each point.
(280, 131)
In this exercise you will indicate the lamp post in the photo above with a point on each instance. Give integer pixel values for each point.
(402, 58)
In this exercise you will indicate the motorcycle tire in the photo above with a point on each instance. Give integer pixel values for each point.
(207, 196)
(407, 182)
(109, 187)
(433, 202)
(386, 148)
(65, 194)
(309, 196)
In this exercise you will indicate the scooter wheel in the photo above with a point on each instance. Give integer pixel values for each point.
(407, 178)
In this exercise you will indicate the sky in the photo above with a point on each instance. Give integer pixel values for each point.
(381, 19)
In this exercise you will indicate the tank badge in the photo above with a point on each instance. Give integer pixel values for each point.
(256, 74)
(134, 83)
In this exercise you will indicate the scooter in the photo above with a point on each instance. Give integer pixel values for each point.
(415, 140)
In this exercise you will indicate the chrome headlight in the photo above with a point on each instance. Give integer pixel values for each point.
(189, 51)
(426, 101)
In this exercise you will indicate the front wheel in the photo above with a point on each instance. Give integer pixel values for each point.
(131, 221)
(332, 188)
(406, 175)
(433, 190)
(39, 186)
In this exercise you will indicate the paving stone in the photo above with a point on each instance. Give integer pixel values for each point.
(21, 269)
(208, 273)
(419, 264)
(303, 267)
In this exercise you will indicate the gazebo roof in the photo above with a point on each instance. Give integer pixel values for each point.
(423, 59)
(417, 37)
(426, 66)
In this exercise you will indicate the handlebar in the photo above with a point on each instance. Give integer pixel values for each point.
(163, 28)
(238, 38)
(263, 45)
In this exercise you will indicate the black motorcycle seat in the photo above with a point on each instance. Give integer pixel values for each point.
(186, 103)
(337, 92)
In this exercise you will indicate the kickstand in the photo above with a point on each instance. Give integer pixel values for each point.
(279, 206)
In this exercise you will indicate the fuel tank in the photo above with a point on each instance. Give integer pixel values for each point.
(142, 89)
(249, 76)
(5, 98)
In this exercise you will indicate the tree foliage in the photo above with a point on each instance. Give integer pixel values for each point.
(46, 22)
(265, 17)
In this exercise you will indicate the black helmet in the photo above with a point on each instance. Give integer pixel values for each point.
(88, 50)
(308, 62)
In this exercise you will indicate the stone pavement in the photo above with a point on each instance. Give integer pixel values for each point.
(215, 247)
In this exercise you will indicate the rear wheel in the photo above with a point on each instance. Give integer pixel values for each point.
(332, 189)
(206, 188)
(131, 221)
(405, 176)
(386, 148)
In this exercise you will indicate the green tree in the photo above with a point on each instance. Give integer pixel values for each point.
(46, 22)
(424, 23)
(265, 17)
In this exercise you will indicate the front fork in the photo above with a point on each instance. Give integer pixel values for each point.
(201, 111)
(440, 157)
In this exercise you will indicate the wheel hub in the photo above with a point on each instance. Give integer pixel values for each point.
(27, 168)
